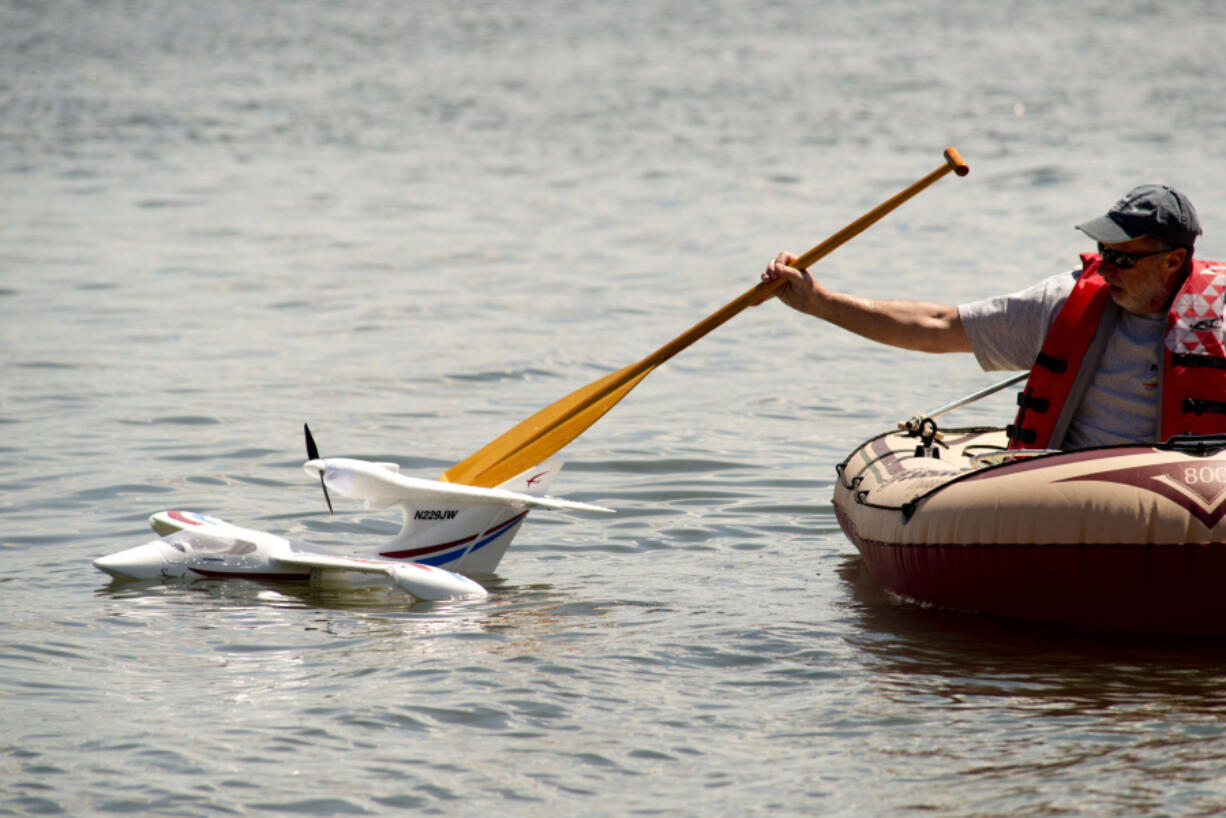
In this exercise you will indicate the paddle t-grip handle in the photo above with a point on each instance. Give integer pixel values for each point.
(953, 161)
(956, 162)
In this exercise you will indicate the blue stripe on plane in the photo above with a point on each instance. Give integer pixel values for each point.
(449, 556)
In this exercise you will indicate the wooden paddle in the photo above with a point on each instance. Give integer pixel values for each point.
(542, 435)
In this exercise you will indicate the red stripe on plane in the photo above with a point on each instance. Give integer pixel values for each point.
(432, 549)
(429, 549)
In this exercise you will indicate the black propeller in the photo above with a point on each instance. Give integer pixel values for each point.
(313, 454)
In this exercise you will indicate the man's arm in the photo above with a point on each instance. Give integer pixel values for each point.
(917, 325)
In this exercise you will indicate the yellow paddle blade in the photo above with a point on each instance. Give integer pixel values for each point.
(545, 433)
(541, 436)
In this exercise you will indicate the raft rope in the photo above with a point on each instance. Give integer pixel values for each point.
(908, 508)
(1194, 445)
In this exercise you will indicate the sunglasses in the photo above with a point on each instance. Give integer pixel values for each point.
(1122, 261)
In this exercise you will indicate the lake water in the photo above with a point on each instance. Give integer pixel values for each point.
(412, 225)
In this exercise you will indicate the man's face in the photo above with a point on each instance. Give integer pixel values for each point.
(1148, 285)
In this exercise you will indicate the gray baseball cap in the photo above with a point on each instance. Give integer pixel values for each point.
(1148, 210)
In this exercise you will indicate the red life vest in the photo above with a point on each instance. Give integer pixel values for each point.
(1193, 377)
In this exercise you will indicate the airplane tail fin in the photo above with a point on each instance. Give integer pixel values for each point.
(534, 481)
(462, 528)
(472, 533)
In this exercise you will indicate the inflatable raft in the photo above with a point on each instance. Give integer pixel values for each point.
(1121, 538)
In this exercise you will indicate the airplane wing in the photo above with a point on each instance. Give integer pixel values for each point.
(381, 486)
(422, 581)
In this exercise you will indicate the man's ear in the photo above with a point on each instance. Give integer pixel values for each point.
(1172, 266)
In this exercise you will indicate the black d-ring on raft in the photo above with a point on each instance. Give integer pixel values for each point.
(927, 434)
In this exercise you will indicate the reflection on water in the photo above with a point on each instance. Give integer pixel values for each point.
(957, 655)
(514, 616)
(1129, 724)
(413, 225)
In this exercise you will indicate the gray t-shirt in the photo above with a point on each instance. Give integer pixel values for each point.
(1121, 403)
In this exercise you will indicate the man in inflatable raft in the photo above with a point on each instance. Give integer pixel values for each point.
(1127, 349)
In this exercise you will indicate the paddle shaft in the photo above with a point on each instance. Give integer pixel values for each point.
(546, 432)
(953, 162)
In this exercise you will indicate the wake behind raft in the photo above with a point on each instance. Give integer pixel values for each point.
(1127, 538)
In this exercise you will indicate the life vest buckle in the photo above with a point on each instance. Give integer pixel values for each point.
(1033, 403)
(1198, 406)
(1017, 433)
(1057, 365)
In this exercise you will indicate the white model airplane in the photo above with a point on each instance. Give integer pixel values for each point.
(450, 530)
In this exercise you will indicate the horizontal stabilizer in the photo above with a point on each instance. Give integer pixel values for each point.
(381, 487)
